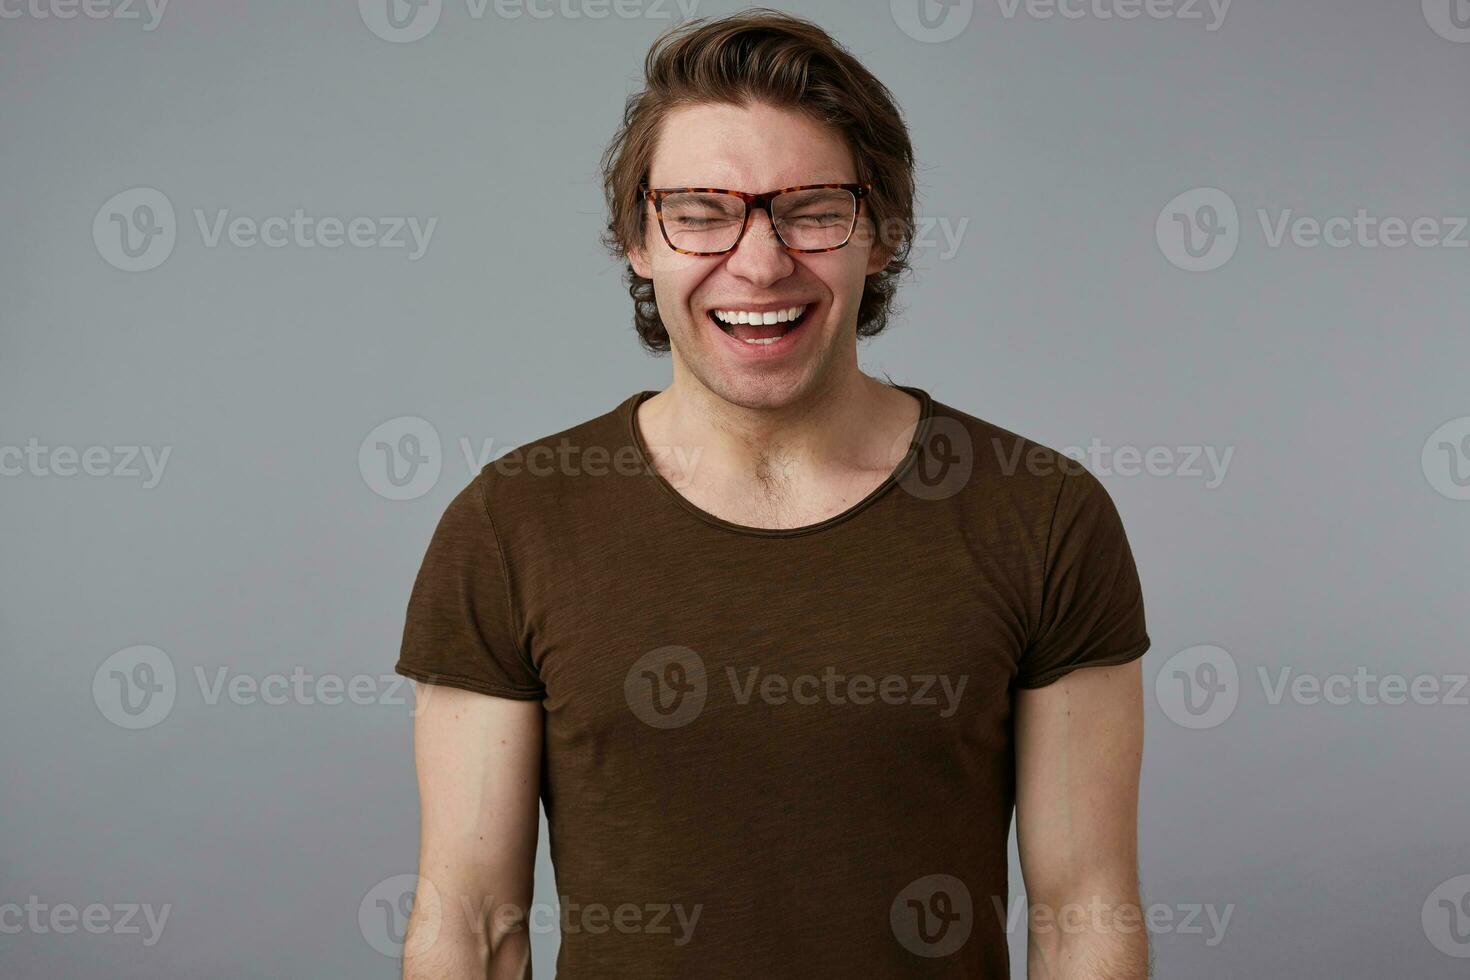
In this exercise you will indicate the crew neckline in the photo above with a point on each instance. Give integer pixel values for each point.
(630, 423)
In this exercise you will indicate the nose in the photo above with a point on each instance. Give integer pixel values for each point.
(759, 257)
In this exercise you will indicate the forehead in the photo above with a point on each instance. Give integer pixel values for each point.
(751, 148)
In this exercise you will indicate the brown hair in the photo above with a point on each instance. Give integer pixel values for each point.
(766, 56)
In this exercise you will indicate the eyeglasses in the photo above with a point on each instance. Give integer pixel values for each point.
(712, 220)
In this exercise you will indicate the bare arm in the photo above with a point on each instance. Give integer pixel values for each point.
(1079, 746)
(478, 760)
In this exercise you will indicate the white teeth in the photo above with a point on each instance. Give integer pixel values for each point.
(745, 316)
(762, 340)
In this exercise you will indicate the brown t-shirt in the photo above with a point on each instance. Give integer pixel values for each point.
(776, 753)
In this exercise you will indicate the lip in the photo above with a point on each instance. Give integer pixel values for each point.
(781, 345)
(759, 307)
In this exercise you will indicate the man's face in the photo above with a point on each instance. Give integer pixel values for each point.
(759, 148)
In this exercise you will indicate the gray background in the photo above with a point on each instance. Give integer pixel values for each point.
(266, 547)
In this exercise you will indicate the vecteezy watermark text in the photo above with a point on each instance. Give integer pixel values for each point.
(1100, 917)
(668, 687)
(307, 231)
(832, 686)
(137, 687)
(383, 916)
(403, 458)
(1207, 463)
(63, 918)
(1200, 687)
(406, 21)
(1201, 229)
(121, 462)
(87, 9)
(1210, 12)
(136, 230)
(932, 21)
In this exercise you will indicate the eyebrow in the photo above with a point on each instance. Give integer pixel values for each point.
(726, 186)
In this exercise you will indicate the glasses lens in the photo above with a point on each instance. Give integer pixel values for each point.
(703, 222)
(818, 218)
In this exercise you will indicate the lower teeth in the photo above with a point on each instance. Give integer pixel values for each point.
(790, 326)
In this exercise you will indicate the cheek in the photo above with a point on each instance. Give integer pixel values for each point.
(674, 284)
(842, 274)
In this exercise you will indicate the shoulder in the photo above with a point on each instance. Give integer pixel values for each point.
(561, 474)
(1002, 469)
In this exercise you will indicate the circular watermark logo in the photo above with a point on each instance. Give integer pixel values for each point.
(1446, 917)
(932, 21)
(135, 230)
(1199, 230)
(667, 687)
(402, 458)
(135, 687)
(1198, 687)
(382, 915)
(400, 21)
(1446, 459)
(1450, 19)
(932, 916)
(944, 462)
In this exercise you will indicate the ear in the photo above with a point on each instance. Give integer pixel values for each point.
(879, 253)
(638, 259)
(878, 257)
(638, 252)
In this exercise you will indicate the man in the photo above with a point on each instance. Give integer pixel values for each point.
(781, 646)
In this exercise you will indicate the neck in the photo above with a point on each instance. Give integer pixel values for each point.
(848, 423)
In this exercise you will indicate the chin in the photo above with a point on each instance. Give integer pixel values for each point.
(763, 389)
(760, 382)
(757, 393)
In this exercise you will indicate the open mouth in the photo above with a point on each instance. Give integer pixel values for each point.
(760, 329)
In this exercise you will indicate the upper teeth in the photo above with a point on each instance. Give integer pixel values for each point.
(750, 316)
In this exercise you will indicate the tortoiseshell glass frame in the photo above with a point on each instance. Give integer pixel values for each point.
(753, 201)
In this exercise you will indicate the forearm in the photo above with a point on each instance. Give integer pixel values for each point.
(452, 957)
(466, 940)
(1092, 936)
(478, 760)
(1079, 746)
(468, 958)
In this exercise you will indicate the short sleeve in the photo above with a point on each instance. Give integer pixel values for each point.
(1091, 612)
(460, 628)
